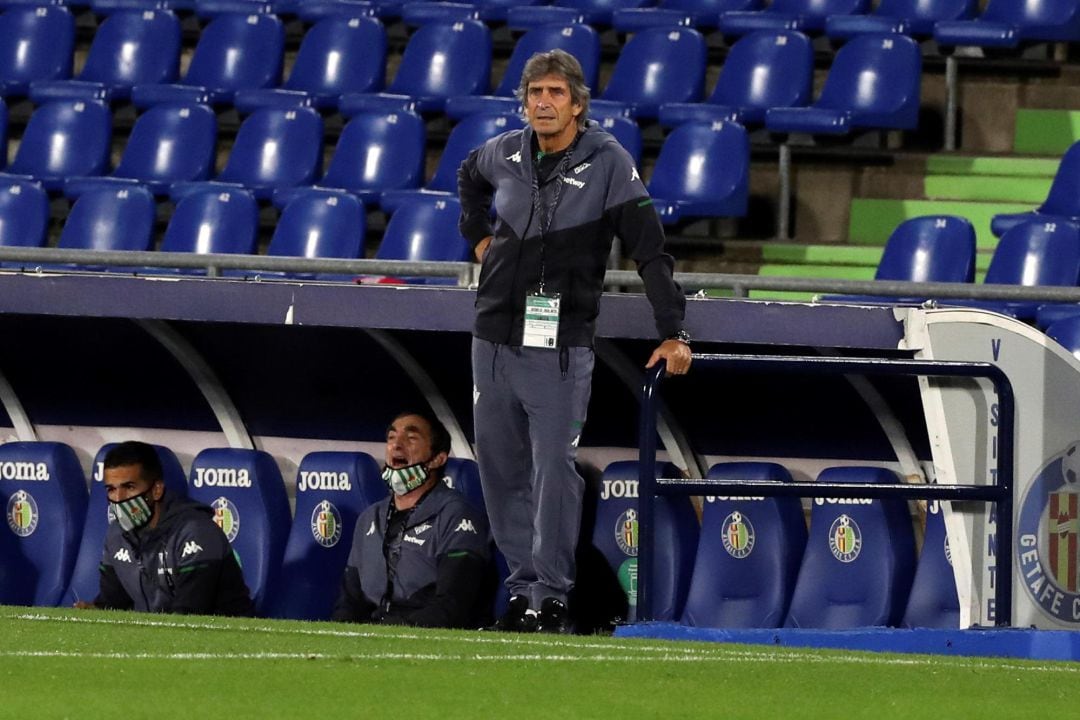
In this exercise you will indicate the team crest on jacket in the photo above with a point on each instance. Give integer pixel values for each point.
(22, 514)
(227, 517)
(326, 524)
(738, 535)
(845, 539)
(626, 532)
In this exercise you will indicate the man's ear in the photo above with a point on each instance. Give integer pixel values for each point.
(157, 490)
(438, 461)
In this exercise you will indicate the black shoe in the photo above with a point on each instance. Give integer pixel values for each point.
(518, 617)
(554, 617)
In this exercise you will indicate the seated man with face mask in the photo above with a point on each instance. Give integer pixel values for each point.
(421, 556)
(162, 553)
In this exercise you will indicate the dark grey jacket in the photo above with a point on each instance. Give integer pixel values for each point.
(184, 565)
(602, 196)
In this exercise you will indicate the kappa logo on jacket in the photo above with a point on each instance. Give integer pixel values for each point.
(634, 175)
(190, 548)
(466, 525)
(122, 555)
(370, 530)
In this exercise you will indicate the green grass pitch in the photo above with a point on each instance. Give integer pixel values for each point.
(94, 664)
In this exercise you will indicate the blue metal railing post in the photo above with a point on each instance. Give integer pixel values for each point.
(647, 491)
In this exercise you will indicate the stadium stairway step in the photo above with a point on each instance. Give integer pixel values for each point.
(1003, 188)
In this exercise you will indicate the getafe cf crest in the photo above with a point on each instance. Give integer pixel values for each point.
(326, 524)
(626, 532)
(845, 539)
(737, 534)
(22, 514)
(1048, 534)
(227, 517)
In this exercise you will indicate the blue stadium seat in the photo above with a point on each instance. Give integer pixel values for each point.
(806, 16)
(24, 213)
(748, 554)
(338, 55)
(212, 221)
(1062, 201)
(698, 14)
(43, 493)
(424, 229)
(332, 489)
(36, 43)
(234, 52)
(859, 559)
(908, 17)
(762, 70)
(463, 475)
(63, 139)
(591, 12)
(874, 83)
(245, 489)
(1065, 331)
(1008, 23)
(378, 151)
(703, 170)
(421, 12)
(615, 535)
(129, 48)
(318, 224)
(657, 66)
(934, 602)
(625, 129)
(3, 133)
(85, 579)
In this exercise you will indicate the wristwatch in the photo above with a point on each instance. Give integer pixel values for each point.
(682, 336)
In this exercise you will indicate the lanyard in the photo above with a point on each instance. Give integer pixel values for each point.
(544, 218)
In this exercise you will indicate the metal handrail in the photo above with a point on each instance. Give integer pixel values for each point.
(1000, 493)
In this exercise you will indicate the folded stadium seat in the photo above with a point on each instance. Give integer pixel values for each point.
(63, 139)
(703, 170)
(597, 13)
(337, 55)
(658, 65)
(498, 11)
(378, 151)
(764, 69)
(615, 535)
(106, 7)
(934, 602)
(211, 221)
(442, 60)
(317, 223)
(332, 489)
(24, 214)
(1066, 332)
(471, 132)
(245, 489)
(1010, 23)
(234, 52)
(748, 554)
(131, 47)
(873, 83)
(859, 559)
(698, 14)
(421, 12)
(1031, 254)
(36, 43)
(43, 493)
(3, 133)
(624, 128)
(168, 144)
(424, 229)
(86, 577)
(463, 475)
(933, 248)
(1062, 201)
(806, 16)
(907, 17)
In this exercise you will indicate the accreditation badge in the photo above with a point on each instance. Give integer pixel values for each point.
(541, 320)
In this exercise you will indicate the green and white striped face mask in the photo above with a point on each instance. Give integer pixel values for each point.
(404, 480)
(132, 513)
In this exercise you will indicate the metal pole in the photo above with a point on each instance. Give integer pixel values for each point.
(647, 491)
(951, 92)
(783, 204)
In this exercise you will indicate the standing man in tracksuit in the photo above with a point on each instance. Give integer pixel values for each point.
(163, 553)
(562, 189)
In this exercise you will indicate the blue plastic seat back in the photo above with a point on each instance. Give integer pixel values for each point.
(134, 47)
(1066, 331)
(445, 59)
(24, 214)
(424, 229)
(1030, 13)
(599, 12)
(332, 489)
(817, 10)
(748, 554)
(85, 579)
(934, 248)
(170, 143)
(43, 494)
(110, 219)
(934, 602)
(580, 40)
(320, 225)
(766, 69)
(238, 52)
(859, 559)
(626, 131)
(340, 55)
(213, 221)
(658, 65)
(1064, 195)
(463, 475)
(378, 151)
(706, 165)
(615, 535)
(923, 13)
(247, 494)
(3, 133)
(36, 43)
(1036, 253)
(276, 148)
(471, 132)
(876, 77)
(64, 138)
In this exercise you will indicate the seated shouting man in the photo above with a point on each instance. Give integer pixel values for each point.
(163, 553)
(421, 556)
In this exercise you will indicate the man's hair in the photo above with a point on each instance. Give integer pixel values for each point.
(138, 453)
(563, 64)
(440, 436)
